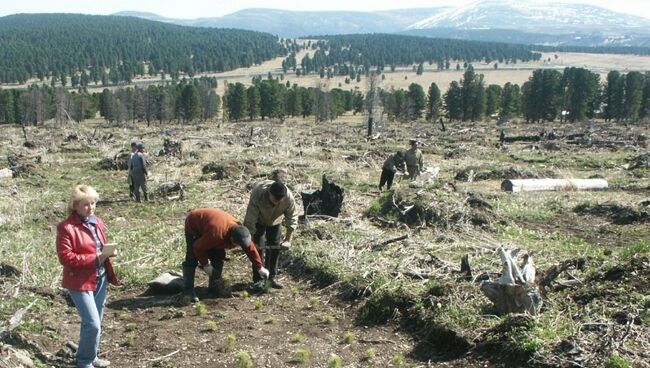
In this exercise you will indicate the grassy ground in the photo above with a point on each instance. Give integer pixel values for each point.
(405, 299)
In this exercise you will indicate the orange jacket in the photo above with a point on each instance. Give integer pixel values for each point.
(77, 251)
(211, 228)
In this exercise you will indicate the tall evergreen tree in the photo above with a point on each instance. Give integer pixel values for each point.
(581, 91)
(614, 96)
(645, 104)
(253, 99)
(634, 85)
(434, 103)
(454, 101)
(190, 103)
(510, 102)
(237, 102)
(416, 101)
(493, 99)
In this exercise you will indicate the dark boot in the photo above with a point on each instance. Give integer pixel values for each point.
(188, 279)
(146, 196)
(216, 285)
(275, 283)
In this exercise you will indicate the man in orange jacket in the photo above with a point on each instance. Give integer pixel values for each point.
(208, 233)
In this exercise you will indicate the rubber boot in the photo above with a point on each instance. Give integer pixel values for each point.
(216, 285)
(188, 278)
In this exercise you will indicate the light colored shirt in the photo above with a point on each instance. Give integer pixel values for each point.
(262, 211)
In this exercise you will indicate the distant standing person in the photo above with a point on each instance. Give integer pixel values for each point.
(394, 162)
(270, 205)
(139, 173)
(87, 270)
(129, 178)
(208, 233)
(414, 160)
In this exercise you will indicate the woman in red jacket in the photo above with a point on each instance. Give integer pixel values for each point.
(87, 269)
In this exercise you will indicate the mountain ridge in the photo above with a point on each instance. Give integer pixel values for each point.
(529, 22)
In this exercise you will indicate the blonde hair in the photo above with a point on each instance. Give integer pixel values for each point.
(80, 193)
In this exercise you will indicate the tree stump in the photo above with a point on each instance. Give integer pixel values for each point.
(515, 291)
(326, 201)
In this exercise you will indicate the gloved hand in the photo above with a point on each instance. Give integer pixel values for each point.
(208, 269)
(285, 245)
(264, 273)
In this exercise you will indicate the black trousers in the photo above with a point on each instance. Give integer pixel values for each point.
(386, 178)
(267, 236)
(216, 256)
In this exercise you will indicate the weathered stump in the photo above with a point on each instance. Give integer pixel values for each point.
(515, 291)
(326, 201)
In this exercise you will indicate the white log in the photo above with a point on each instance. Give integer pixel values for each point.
(529, 185)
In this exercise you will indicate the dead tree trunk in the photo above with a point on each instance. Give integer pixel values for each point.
(515, 291)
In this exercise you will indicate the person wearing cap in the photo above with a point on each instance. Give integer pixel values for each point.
(394, 162)
(414, 160)
(87, 270)
(139, 173)
(208, 233)
(129, 177)
(270, 205)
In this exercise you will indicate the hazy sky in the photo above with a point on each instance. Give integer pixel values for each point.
(214, 8)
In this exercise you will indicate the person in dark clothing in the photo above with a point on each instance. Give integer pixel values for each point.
(134, 151)
(139, 173)
(394, 162)
(208, 233)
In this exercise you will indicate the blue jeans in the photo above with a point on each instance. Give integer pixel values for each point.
(90, 305)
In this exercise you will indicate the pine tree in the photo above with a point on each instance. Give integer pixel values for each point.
(416, 101)
(634, 85)
(434, 103)
(454, 101)
(190, 103)
(237, 102)
(253, 99)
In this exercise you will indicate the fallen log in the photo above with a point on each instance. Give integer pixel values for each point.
(531, 185)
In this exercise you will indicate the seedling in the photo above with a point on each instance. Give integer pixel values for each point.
(328, 319)
(348, 338)
(335, 361)
(398, 360)
(296, 338)
(244, 360)
(231, 340)
(371, 354)
(201, 309)
(303, 355)
(211, 325)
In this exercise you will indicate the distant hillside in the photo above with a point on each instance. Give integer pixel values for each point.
(286, 23)
(613, 43)
(364, 53)
(528, 22)
(115, 49)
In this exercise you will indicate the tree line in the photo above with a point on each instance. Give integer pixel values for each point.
(365, 53)
(77, 49)
(184, 101)
(574, 94)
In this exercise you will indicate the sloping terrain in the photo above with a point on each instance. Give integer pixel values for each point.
(380, 284)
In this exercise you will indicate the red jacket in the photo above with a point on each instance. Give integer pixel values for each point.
(211, 227)
(77, 251)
